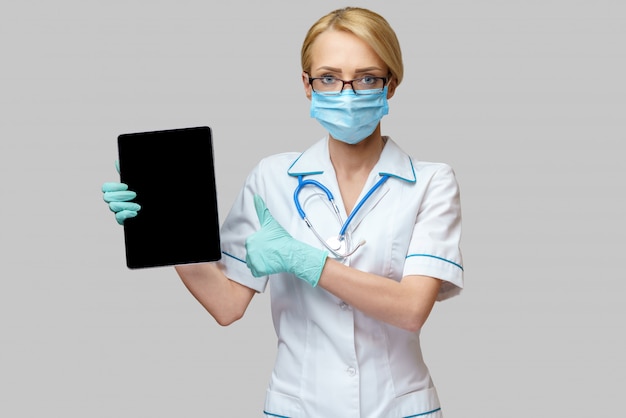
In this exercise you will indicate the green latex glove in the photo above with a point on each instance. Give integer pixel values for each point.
(272, 250)
(118, 197)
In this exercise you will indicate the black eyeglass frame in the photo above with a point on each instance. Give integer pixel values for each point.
(344, 82)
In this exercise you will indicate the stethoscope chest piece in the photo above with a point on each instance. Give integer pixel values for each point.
(337, 244)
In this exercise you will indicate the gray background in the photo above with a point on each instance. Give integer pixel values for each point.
(525, 99)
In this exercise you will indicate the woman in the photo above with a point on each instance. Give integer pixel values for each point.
(347, 312)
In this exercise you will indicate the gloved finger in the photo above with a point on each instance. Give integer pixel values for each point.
(120, 206)
(262, 211)
(256, 265)
(256, 253)
(121, 216)
(121, 196)
(117, 166)
(114, 187)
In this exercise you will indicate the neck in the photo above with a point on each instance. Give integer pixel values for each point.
(350, 159)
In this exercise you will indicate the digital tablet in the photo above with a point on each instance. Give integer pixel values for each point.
(172, 172)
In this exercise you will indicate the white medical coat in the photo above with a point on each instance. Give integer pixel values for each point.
(333, 360)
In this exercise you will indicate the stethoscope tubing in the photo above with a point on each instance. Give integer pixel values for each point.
(371, 191)
(344, 225)
(300, 186)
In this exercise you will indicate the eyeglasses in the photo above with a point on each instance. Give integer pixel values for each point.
(332, 86)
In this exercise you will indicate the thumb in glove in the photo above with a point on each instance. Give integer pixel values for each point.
(273, 250)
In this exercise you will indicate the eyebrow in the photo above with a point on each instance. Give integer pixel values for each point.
(358, 70)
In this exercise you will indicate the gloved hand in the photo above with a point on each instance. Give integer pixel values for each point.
(272, 250)
(118, 197)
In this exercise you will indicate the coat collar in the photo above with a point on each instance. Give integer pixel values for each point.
(393, 162)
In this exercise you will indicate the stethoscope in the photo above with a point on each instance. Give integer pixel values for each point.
(337, 245)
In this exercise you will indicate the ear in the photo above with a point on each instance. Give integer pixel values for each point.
(391, 88)
(307, 86)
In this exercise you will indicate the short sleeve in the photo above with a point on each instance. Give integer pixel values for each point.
(434, 249)
(240, 223)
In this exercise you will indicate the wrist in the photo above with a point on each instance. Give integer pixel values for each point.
(308, 263)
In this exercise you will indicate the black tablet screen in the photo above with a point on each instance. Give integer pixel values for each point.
(173, 174)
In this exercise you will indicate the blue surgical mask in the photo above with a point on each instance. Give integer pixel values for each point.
(349, 117)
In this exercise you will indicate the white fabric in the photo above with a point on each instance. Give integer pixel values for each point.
(334, 361)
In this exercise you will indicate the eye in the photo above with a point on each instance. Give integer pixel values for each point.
(369, 80)
(328, 80)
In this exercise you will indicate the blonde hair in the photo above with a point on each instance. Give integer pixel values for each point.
(364, 24)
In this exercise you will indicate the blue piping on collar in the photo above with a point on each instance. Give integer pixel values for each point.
(381, 173)
(301, 174)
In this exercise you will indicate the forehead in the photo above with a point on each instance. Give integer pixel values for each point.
(343, 50)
